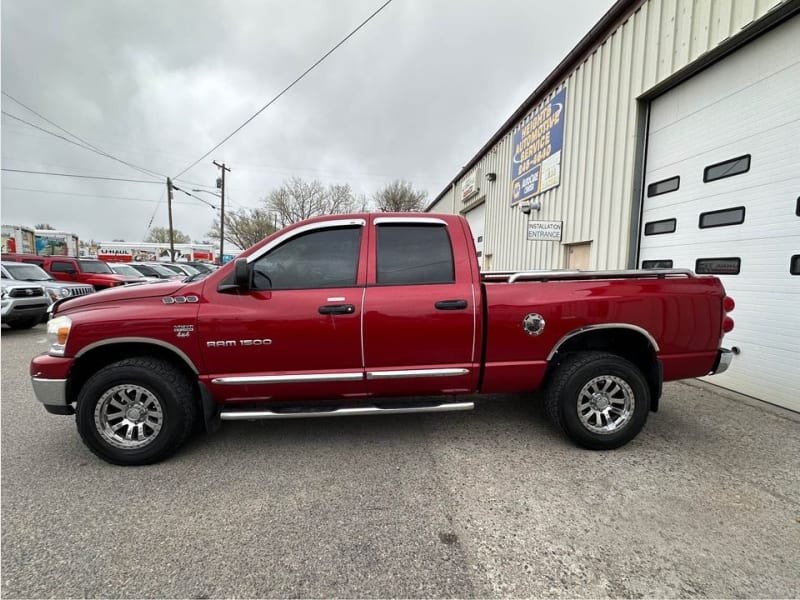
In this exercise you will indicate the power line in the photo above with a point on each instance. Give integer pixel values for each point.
(80, 176)
(84, 145)
(18, 189)
(287, 88)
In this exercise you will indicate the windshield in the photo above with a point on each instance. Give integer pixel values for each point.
(27, 272)
(189, 269)
(126, 270)
(93, 266)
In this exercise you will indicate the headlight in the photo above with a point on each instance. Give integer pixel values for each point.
(4, 293)
(53, 293)
(57, 334)
(65, 292)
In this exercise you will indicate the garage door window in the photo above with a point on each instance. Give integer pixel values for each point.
(656, 264)
(727, 168)
(659, 227)
(718, 266)
(794, 265)
(664, 186)
(722, 218)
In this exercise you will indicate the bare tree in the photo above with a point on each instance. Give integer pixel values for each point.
(298, 199)
(160, 235)
(44, 226)
(399, 196)
(245, 227)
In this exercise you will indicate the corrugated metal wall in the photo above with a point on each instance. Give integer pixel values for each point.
(595, 196)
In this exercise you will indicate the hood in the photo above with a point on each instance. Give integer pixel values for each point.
(120, 294)
(57, 283)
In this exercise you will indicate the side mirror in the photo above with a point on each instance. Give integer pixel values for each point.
(242, 274)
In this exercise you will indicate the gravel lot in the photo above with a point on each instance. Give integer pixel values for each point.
(488, 503)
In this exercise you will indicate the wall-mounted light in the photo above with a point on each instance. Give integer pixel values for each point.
(491, 176)
(528, 205)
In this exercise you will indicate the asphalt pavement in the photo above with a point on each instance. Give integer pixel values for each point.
(494, 502)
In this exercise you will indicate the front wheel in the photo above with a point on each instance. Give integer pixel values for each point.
(599, 399)
(136, 411)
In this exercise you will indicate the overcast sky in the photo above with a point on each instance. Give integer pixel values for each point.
(413, 95)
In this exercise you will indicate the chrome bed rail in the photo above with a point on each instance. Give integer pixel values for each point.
(563, 275)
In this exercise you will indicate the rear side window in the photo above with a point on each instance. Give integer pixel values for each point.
(414, 254)
(58, 266)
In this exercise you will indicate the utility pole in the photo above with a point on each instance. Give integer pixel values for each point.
(169, 210)
(221, 186)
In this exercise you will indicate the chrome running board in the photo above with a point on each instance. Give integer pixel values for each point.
(240, 415)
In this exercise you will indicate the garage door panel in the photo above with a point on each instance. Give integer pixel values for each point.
(745, 104)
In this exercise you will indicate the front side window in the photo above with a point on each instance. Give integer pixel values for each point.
(411, 254)
(326, 258)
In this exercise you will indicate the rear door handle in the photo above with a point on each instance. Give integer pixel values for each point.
(337, 309)
(451, 305)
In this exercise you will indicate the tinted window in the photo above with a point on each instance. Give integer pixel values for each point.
(727, 168)
(414, 254)
(94, 266)
(663, 186)
(718, 266)
(794, 265)
(326, 258)
(33, 261)
(721, 218)
(659, 227)
(27, 272)
(656, 264)
(58, 266)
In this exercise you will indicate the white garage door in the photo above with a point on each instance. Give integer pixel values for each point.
(722, 196)
(476, 219)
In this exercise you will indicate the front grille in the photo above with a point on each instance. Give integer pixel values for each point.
(25, 292)
(80, 291)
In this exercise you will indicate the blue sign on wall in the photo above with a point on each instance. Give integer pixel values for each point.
(537, 145)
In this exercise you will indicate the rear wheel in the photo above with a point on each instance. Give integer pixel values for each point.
(136, 411)
(599, 399)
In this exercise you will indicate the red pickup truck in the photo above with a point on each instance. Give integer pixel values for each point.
(373, 314)
(80, 270)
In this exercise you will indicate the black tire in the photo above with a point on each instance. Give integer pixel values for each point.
(23, 323)
(164, 424)
(599, 372)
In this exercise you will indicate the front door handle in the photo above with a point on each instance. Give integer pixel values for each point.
(451, 305)
(337, 309)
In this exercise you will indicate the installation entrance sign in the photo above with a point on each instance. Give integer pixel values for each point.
(545, 231)
(537, 144)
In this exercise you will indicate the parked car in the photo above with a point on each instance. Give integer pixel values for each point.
(153, 270)
(374, 314)
(67, 268)
(23, 304)
(202, 266)
(181, 268)
(126, 270)
(54, 289)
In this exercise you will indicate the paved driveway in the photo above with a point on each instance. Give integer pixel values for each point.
(489, 503)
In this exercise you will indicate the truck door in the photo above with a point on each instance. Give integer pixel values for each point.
(297, 333)
(420, 313)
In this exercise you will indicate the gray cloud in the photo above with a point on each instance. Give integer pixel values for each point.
(414, 95)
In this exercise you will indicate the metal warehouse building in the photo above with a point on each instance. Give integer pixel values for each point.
(669, 137)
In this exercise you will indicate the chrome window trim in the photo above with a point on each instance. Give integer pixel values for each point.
(139, 340)
(409, 373)
(409, 221)
(363, 310)
(572, 334)
(299, 378)
(305, 229)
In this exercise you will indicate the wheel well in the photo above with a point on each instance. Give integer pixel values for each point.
(88, 364)
(627, 343)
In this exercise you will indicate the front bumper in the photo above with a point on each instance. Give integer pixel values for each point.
(49, 381)
(724, 359)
